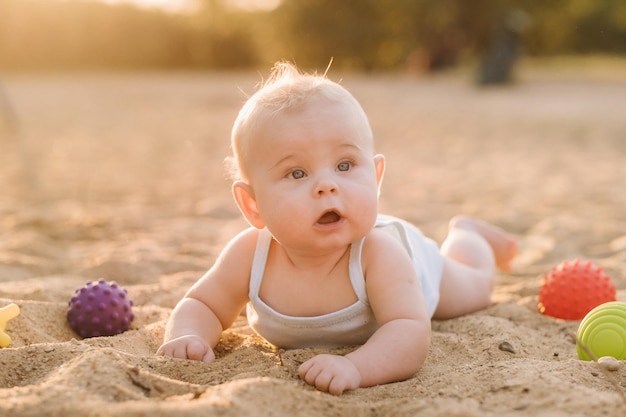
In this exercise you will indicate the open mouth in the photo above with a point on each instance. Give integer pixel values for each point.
(329, 217)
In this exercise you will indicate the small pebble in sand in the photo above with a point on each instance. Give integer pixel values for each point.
(609, 363)
(507, 347)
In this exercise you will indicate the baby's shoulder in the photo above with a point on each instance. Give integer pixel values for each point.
(247, 237)
(240, 250)
(381, 246)
(384, 259)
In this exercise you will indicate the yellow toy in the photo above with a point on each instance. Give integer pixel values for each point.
(7, 313)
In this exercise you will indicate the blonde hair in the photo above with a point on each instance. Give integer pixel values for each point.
(286, 88)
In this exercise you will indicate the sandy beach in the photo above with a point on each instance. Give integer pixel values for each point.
(121, 177)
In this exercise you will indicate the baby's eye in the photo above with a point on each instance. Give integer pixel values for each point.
(344, 166)
(296, 174)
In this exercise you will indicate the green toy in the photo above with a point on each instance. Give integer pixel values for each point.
(603, 331)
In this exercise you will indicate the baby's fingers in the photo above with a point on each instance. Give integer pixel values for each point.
(330, 373)
(322, 372)
(304, 368)
(196, 349)
(200, 351)
(314, 374)
(310, 370)
(188, 348)
(166, 350)
(173, 350)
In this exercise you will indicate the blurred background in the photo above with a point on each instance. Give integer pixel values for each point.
(115, 117)
(369, 35)
(103, 100)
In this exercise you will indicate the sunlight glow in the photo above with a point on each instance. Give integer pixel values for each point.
(177, 6)
(255, 4)
(174, 6)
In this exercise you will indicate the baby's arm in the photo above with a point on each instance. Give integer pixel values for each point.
(191, 332)
(400, 345)
(212, 304)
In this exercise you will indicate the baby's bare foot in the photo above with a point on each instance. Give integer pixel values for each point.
(504, 245)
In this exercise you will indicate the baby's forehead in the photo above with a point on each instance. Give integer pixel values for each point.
(328, 128)
(319, 110)
(288, 101)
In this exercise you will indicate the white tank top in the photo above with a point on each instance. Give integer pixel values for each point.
(354, 324)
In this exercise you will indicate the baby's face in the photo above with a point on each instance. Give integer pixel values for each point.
(314, 175)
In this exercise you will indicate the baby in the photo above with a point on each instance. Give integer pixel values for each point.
(320, 267)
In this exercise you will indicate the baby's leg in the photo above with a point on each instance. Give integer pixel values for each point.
(472, 251)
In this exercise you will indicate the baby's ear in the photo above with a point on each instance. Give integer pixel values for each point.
(379, 163)
(244, 197)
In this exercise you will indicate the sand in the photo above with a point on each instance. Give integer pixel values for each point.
(120, 176)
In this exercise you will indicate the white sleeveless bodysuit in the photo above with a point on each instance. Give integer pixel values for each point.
(354, 324)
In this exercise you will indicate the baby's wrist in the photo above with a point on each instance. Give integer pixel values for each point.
(357, 371)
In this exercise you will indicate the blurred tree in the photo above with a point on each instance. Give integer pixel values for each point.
(600, 22)
(576, 26)
(359, 34)
(432, 35)
(386, 33)
(41, 34)
(314, 31)
(220, 37)
(499, 60)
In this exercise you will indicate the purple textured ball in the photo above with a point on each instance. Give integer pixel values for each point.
(100, 309)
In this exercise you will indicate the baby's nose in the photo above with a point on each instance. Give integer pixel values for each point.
(326, 186)
(326, 190)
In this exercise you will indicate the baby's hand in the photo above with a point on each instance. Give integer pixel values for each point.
(188, 347)
(330, 373)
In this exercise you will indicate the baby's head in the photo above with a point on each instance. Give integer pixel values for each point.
(305, 163)
(285, 90)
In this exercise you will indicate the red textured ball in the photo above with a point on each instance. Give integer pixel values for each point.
(100, 309)
(574, 288)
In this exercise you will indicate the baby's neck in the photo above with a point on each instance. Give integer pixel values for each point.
(312, 260)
